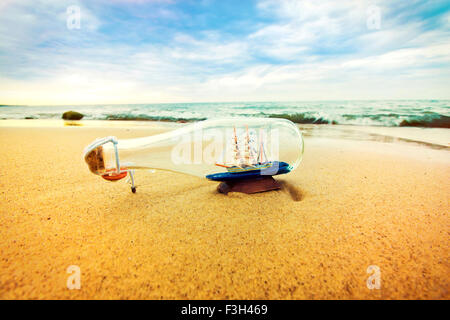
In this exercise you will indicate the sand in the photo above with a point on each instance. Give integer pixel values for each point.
(349, 205)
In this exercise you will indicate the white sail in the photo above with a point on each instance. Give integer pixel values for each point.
(245, 150)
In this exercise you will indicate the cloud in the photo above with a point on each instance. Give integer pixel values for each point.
(167, 51)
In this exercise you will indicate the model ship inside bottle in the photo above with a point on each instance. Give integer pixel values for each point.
(245, 157)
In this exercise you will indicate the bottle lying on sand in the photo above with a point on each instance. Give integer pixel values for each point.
(220, 150)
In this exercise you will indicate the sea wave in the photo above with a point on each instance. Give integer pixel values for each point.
(143, 117)
(386, 113)
(427, 121)
(433, 120)
(302, 118)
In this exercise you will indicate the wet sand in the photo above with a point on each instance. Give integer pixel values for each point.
(350, 204)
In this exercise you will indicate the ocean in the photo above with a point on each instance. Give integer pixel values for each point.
(386, 113)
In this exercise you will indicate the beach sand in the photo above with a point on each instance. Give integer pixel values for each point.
(350, 204)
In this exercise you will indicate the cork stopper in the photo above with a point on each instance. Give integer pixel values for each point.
(95, 161)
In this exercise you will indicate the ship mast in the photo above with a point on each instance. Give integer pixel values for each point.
(247, 145)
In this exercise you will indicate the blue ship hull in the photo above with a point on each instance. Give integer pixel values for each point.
(278, 167)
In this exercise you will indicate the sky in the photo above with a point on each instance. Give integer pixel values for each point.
(152, 51)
